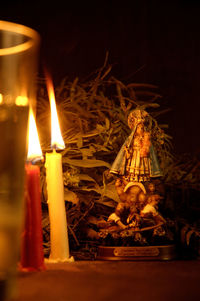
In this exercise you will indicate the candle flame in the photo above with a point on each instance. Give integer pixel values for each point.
(34, 149)
(56, 137)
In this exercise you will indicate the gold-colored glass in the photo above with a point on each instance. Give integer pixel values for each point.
(19, 46)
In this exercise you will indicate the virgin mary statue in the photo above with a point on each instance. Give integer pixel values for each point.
(137, 160)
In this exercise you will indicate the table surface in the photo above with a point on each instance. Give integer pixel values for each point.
(111, 280)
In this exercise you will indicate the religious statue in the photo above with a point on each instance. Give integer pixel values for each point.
(137, 160)
(136, 220)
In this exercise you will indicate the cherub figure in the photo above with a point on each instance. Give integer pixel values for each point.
(120, 184)
(136, 199)
(119, 217)
(127, 213)
(136, 160)
(150, 210)
(151, 188)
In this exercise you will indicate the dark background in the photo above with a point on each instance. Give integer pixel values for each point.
(155, 42)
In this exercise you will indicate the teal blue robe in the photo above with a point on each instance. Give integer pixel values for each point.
(119, 165)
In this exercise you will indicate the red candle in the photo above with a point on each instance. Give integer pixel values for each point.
(32, 256)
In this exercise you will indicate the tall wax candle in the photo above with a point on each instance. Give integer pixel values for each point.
(55, 188)
(32, 257)
(57, 213)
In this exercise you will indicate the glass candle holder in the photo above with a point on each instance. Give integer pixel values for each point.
(19, 47)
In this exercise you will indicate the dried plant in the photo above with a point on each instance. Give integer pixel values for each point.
(93, 118)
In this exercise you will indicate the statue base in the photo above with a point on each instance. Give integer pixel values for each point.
(166, 252)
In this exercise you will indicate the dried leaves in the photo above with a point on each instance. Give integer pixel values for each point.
(93, 118)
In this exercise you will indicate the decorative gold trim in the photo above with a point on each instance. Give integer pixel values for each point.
(167, 252)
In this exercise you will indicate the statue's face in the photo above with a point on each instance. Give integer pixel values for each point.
(140, 129)
(142, 198)
(154, 202)
(132, 194)
(151, 187)
(120, 189)
(135, 117)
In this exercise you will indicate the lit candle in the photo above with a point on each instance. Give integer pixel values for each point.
(55, 189)
(32, 256)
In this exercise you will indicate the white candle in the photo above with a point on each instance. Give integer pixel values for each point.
(55, 189)
(56, 205)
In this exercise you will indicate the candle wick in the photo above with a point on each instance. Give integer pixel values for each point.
(54, 148)
(33, 161)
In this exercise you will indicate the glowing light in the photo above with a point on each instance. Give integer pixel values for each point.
(34, 149)
(1, 98)
(21, 101)
(56, 137)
